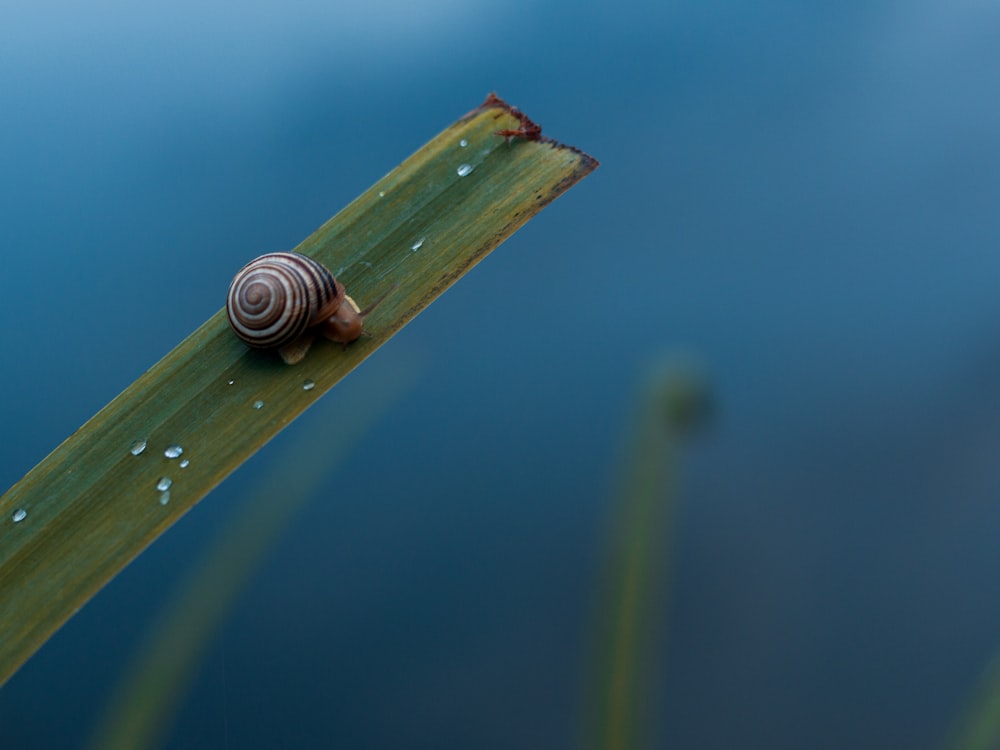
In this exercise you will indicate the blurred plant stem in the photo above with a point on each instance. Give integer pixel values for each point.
(631, 630)
(140, 712)
(979, 726)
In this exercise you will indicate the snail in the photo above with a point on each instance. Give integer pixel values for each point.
(279, 300)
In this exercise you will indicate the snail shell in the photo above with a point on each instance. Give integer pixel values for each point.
(273, 299)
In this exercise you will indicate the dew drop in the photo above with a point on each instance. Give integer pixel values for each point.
(381, 194)
(184, 463)
(418, 244)
(173, 451)
(308, 385)
(230, 382)
(137, 447)
(164, 484)
(19, 515)
(258, 404)
(463, 143)
(464, 169)
(164, 497)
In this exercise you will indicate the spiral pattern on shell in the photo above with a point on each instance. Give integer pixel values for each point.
(273, 299)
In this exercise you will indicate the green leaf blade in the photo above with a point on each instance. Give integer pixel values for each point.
(92, 506)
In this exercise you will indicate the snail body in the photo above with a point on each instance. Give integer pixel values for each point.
(280, 300)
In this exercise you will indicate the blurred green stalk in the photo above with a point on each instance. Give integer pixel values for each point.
(142, 708)
(631, 623)
(979, 726)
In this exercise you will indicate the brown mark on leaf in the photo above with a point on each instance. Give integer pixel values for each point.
(530, 130)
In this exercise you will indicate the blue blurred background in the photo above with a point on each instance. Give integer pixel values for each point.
(803, 196)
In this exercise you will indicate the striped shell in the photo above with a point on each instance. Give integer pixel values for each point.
(276, 297)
